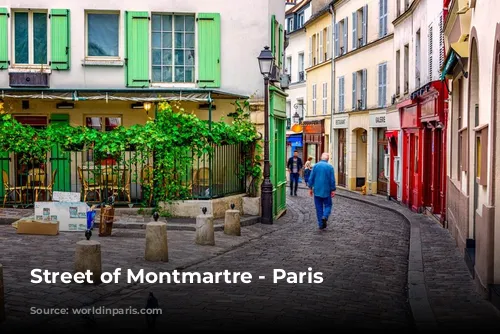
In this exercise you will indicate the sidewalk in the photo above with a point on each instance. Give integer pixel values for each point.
(440, 286)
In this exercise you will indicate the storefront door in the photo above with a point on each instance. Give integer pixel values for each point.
(415, 171)
(342, 158)
(382, 152)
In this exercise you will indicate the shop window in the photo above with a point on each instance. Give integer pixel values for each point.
(397, 169)
(387, 166)
(482, 155)
(464, 155)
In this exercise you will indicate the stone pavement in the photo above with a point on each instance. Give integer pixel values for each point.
(363, 260)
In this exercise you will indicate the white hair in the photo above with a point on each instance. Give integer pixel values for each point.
(325, 156)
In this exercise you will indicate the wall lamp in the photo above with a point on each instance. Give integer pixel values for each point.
(65, 105)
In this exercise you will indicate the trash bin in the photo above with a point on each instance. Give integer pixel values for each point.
(106, 221)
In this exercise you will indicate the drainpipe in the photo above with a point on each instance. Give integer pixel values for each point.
(332, 52)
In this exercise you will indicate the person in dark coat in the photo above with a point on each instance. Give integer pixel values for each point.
(294, 166)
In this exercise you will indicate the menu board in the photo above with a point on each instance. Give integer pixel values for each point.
(72, 216)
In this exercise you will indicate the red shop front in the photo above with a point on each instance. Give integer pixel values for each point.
(423, 122)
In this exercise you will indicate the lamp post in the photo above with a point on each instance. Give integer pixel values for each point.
(266, 63)
(296, 118)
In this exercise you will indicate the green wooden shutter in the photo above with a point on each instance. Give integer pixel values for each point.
(4, 46)
(281, 46)
(209, 50)
(4, 166)
(60, 159)
(273, 34)
(137, 49)
(60, 39)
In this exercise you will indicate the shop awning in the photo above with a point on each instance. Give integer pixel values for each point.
(295, 139)
(449, 64)
(391, 133)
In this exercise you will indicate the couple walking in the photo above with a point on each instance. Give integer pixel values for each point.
(321, 184)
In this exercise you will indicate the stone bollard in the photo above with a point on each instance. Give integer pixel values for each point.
(205, 229)
(232, 224)
(156, 241)
(88, 257)
(2, 297)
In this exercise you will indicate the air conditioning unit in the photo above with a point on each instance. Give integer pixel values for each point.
(275, 74)
(22, 79)
(285, 81)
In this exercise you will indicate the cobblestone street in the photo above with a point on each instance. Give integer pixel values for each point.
(363, 256)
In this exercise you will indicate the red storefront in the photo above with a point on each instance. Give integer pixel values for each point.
(423, 122)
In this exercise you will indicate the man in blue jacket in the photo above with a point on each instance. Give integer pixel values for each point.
(322, 183)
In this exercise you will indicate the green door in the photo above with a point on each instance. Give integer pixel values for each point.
(59, 159)
(277, 149)
(4, 166)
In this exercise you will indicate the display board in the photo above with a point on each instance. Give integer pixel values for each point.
(72, 216)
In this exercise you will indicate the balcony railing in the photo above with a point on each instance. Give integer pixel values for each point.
(302, 76)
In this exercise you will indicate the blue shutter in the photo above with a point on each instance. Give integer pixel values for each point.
(354, 88)
(341, 94)
(337, 45)
(384, 84)
(380, 78)
(354, 30)
(381, 18)
(363, 89)
(365, 25)
(346, 29)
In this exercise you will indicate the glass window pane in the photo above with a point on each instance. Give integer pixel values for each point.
(179, 57)
(189, 74)
(112, 123)
(167, 74)
(167, 22)
(94, 122)
(167, 57)
(102, 35)
(156, 40)
(179, 74)
(189, 23)
(189, 57)
(189, 41)
(40, 38)
(156, 73)
(179, 40)
(156, 55)
(21, 38)
(179, 23)
(156, 22)
(167, 40)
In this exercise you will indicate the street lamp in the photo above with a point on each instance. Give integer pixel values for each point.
(296, 118)
(147, 107)
(266, 63)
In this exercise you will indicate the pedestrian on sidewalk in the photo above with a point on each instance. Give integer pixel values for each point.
(322, 185)
(294, 166)
(307, 170)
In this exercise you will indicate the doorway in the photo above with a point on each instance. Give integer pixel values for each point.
(414, 171)
(342, 157)
(382, 165)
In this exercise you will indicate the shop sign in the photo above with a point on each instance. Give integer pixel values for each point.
(312, 127)
(340, 122)
(378, 121)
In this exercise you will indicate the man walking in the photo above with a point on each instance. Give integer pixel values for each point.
(294, 166)
(322, 184)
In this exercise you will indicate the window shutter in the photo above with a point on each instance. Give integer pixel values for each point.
(430, 49)
(384, 82)
(321, 46)
(354, 30)
(137, 49)
(328, 43)
(380, 77)
(354, 93)
(381, 18)
(365, 25)
(346, 29)
(281, 46)
(209, 50)
(273, 35)
(4, 45)
(363, 89)
(337, 45)
(60, 39)
(341, 94)
(310, 50)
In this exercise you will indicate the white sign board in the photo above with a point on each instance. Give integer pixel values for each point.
(340, 122)
(378, 120)
(72, 216)
(64, 196)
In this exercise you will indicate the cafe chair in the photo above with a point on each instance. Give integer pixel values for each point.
(9, 189)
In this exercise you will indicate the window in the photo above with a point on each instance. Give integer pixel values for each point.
(407, 4)
(382, 18)
(382, 85)
(325, 98)
(341, 37)
(398, 8)
(417, 59)
(406, 67)
(290, 24)
(300, 20)
(397, 169)
(359, 27)
(398, 72)
(102, 34)
(320, 37)
(101, 123)
(481, 155)
(314, 99)
(30, 37)
(301, 67)
(359, 81)
(341, 94)
(430, 53)
(173, 43)
(288, 114)
(289, 67)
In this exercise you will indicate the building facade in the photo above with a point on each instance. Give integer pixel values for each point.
(295, 64)
(472, 72)
(107, 62)
(420, 97)
(363, 37)
(316, 124)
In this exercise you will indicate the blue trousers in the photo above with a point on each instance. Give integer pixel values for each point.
(323, 208)
(294, 182)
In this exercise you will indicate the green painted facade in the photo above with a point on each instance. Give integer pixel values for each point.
(60, 160)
